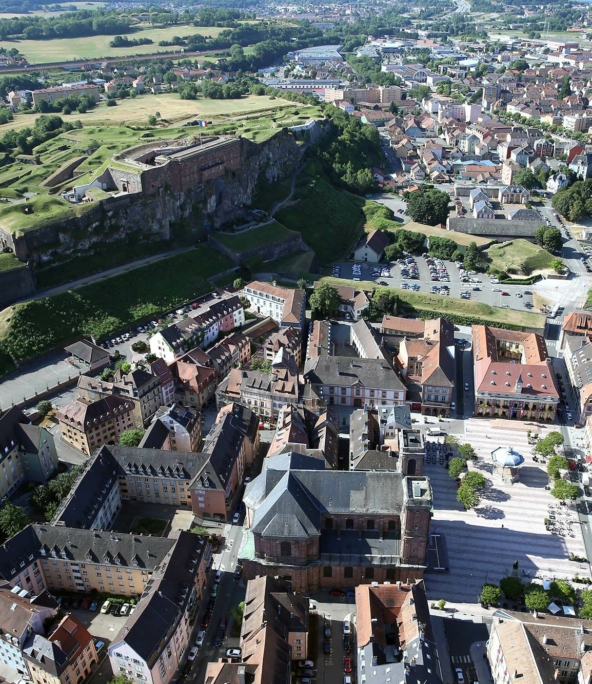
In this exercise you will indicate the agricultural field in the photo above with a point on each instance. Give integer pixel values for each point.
(67, 7)
(254, 237)
(97, 47)
(519, 257)
(328, 219)
(434, 305)
(109, 305)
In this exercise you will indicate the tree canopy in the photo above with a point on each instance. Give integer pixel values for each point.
(325, 301)
(468, 496)
(428, 206)
(491, 594)
(565, 490)
(512, 587)
(131, 438)
(12, 519)
(535, 597)
(549, 238)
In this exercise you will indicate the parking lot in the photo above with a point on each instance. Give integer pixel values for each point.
(414, 273)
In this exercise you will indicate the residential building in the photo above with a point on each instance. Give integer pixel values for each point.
(556, 182)
(52, 95)
(325, 528)
(353, 302)
(166, 380)
(514, 377)
(319, 339)
(513, 194)
(174, 428)
(287, 307)
(87, 425)
(264, 393)
(22, 614)
(581, 165)
(59, 558)
(405, 327)
(428, 368)
(195, 379)
(87, 356)
(66, 656)
(509, 169)
(578, 361)
(152, 645)
(395, 640)
(365, 341)
(334, 380)
(286, 338)
(142, 388)
(576, 324)
(27, 452)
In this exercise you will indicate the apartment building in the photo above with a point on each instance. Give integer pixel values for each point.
(87, 425)
(195, 379)
(52, 95)
(286, 338)
(152, 645)
(141, 387)
(578, 361)
(166, 380)
(59, 558)
(67, 656)
(231, 352)
(319, 339)
(394, 634)
(27, 452)
(21, 615)
(263, 393)
(174, 428)
(325, 528)
(514, 377)
(335, 380)
(287, 307)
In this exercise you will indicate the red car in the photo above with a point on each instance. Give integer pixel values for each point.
(206, 620)
(347, 665)
(85, 603)
(336, 592)
(505, 294)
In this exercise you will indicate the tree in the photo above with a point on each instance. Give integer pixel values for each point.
(12, 518)
(512, 587)
(451, 441)
(393, 108)
(301, 283)
(121, 679)
(565, 88)
(140, 346)
(556, 463)
(561, 589)
(577, 210)
(325, 301)
(456, 466)
(131, 438)
(557, 265)
(565, 490)
(238, 284)
(44, 407)
(475, 480)
(545, 448)
(236, 613)
(527, 179)
(535, 597)
(549, 238)
(467, 496)
(472, 259)
(491, 595)
(429, 207)
(467, 452)
(586, 611)
(555, 438)
(152, 120)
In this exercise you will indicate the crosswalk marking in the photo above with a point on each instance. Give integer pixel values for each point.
(459, 660)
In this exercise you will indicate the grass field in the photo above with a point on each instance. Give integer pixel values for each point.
(152, 526)
(440, 306)
(329, 221)
(295, 265)
(432, 231)
(68, 7)
(8, 262)
(518, 256)
(109, 305)
(270, 193)
(254, 237)
(96, 47)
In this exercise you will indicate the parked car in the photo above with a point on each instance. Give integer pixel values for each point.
(233, 653)
(218, 577)
(105, 608)
(346, 626)
(200, 638)
(85, 603)
(459, 675)
(238, 571)
(235, 518)
(337, 592)
(99, 645)
(305, 663)
(125, 609)
(326, 646)
(93, 606)
(347, 665)
(192, 653)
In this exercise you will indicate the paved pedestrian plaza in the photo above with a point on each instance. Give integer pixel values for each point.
(507, 526)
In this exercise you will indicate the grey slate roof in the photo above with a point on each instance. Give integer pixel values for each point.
(41, 651)
(155, 436)
(346, 372)
(87, 351)
(83, 546)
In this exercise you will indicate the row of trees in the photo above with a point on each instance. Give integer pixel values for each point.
(67, 25)
(535, 596)
(575, 202)
(472, 482)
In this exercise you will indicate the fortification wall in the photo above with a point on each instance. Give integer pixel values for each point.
(15, 284)
(267, 252)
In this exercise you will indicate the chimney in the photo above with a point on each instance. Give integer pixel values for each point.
(240, 674)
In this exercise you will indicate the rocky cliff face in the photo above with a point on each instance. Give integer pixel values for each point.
(152, 218)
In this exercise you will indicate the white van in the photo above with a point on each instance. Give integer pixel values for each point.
(435, 432)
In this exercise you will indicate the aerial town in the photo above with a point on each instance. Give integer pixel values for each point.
(296, 342)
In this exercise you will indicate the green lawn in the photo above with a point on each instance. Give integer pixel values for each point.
(295, 265)
(329, 221)
(518, 256)
(107, 306)
(9, 262)
(270, 193)
(254, 237)
(153, 526)
(434, 305)
(96, 47)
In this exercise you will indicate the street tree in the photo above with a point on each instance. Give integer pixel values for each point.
(238, 283)
(472, 259)
(561, 589)
(325, 301)
(557, 265)
(535, 597)
(429, 207)
(491, 595)
(467, 496)
(131, 438)
(512, 587)
(556, 463)
(549, 238)
(44, 407)
(555, 438)
(451, 441)
(565, 490)
(467, 452)
(527, 179)
(12, 518)
(475, 480)
(456, 466)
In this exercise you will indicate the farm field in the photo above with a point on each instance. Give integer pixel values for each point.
(97, 47)
(109, 305)
(68, 7)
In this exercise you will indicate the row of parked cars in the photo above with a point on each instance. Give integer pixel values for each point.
(116, 608)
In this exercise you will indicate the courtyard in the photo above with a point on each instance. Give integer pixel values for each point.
(507, 526)
(158, 520)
